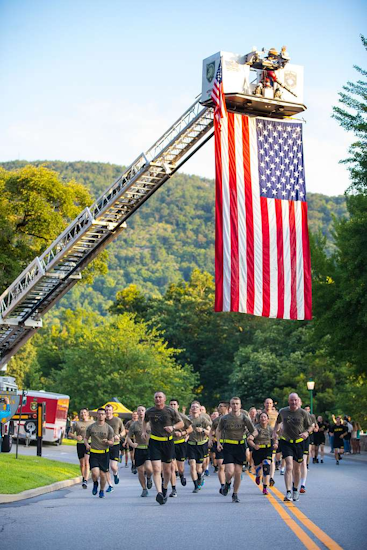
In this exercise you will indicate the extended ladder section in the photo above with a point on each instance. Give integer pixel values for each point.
(51, 275)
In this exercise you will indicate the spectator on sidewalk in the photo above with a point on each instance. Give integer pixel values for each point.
(355, 438)
(347, 438)
(3, 414)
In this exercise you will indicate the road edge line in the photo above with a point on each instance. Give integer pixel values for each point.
(38, 491)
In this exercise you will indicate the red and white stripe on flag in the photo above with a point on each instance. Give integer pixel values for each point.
(262, 252)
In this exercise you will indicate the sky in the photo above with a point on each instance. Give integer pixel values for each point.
(101, 80)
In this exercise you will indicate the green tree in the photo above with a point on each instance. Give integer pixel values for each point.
(94, 358)
(35, 207)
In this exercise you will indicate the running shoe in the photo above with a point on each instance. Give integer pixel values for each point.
(295, 495)
(95, 488)
(288, 497)
(101, 494)
(84, 484)
(183, 481)
(235, 498)
(202, 483)
(149, 482)
(144, 493)
(322, 462)
(207, 473)
(160, 498)
(176, 472)
(221, 490)
(281, 471)
(196, 490)
(134, 470)
(302, 489)
(265, 491)
(271, 482)
(215, 469)
(126, 465)
(337, 462)
(116, 478)
(225, 489)
(257, 479)
(109, 489)
(173, 493)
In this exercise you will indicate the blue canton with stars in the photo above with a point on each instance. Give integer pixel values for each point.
(280, 157)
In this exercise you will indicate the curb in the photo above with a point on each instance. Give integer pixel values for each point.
(31, 493)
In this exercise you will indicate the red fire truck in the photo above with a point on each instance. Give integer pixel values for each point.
(57, 406)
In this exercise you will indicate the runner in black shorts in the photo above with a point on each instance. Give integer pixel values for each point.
(223, 408)
(320, 439)
(231, 429)
(141, 454)
(339, 431)
(263, 450)
(119, 431)
(309, 449)
(163, 422)
(180, 448)
(77, 431)
(128, 449)
(296, 427)
(206, 444)
(196, 444)
(102, 437)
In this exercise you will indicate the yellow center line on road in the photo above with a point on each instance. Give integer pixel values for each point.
(297, 530)
(319, 533)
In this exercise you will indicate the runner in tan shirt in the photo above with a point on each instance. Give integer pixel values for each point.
(102, 437)
(272, 416)
(119, 430)
(140, 445)
(231, 430)
(77, 432)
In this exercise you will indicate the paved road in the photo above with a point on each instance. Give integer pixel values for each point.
(334, 507)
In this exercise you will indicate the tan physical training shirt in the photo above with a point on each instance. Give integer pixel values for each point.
(200, 422)
(264, 435)
(79, 428)
(233, 427)
(294, 422)
(187, 422)
(135, 431)
(273, 415)
(97, 433)
(159, 418)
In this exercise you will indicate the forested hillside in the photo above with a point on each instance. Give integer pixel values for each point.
(171, 235)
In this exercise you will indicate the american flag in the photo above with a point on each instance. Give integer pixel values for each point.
(218, 97)
(262, 259)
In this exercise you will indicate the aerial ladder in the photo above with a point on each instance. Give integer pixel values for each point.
(45, 281)
(247, 90)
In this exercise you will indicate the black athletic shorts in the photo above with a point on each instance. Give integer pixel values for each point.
(319, 438)
(261, 455)
(100, 460)
(312, 439)
(338, 443)
(115, 452)
(219, 455)
(294, 450)
(206, 449)
(306, 445)
(195, 452)
(180, 451)
(141, 456)
(234, 454)
(161, 450)
(81, 450)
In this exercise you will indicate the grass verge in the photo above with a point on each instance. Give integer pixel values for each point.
(30, 472)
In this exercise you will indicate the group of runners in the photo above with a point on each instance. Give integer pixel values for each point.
(161, 439)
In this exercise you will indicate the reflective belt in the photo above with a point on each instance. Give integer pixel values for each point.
(197, 442)
(233, 441)
(156, 438)
(179, 441)
(292, 440)
(142, 447)
(117, 443)
(264, 446)
(98, 451)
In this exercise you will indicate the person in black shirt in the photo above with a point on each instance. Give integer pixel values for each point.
(339, 431)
